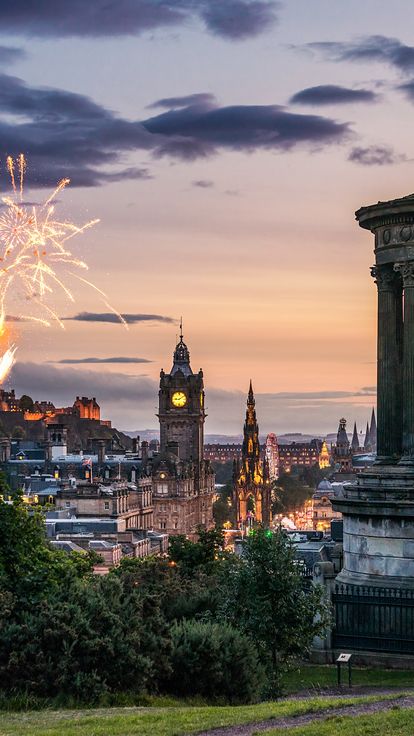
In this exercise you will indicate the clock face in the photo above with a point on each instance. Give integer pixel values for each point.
(179, 399)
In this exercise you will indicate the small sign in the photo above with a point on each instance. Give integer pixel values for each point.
(344, 657)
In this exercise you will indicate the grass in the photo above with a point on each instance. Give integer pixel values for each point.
(316, 677)
(167, 721)
(396, 722)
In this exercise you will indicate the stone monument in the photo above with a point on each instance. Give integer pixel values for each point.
(378, 510)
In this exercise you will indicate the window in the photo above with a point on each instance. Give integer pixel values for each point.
(106, 505)
(67, 504)
(162, 489)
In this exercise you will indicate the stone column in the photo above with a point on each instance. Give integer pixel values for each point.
(407, 272)
(389, 362)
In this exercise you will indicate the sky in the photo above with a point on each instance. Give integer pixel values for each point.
(224, 147)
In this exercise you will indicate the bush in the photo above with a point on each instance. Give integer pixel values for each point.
(214, 661)
(92, 639)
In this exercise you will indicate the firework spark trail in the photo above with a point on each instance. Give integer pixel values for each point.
(34, 255)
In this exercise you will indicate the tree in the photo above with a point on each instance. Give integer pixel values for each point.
(203, 554)
(223, 509)
(264, 596)
(214, 660)
(29, 568)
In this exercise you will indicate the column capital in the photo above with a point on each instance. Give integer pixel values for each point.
(406, 270)
(385, 277)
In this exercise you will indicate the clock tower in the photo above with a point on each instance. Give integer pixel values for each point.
(182, 481)
(181, 407)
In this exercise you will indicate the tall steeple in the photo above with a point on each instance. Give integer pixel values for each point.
(373, 431)
(342, 441)
(181, 358)
(367, 441)
(355, 441)
(251, 448)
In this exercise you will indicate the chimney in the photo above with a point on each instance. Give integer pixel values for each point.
(144, 451)
(101, 452)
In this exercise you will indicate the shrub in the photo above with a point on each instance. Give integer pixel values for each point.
(214, 661)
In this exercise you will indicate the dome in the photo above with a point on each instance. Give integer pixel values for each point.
(325, 485)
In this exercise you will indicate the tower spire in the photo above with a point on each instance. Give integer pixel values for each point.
(355, 440)
(181, 329)
(250, 396)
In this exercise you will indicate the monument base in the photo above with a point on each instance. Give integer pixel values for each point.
(378, 516)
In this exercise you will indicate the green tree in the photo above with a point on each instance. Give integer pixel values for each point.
(223, 509)
(29, 568)
(214, 660)
(265, 597)
(89, 638)
(204, 554)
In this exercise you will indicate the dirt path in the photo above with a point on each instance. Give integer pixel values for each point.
(303, 720)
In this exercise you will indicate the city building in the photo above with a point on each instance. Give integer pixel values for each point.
(272, 456)
(251, 489)
(324, 459)
(322, 510)
(342, 450)
(218, 453)
(87, 408)
(183, 480)
(299, 454)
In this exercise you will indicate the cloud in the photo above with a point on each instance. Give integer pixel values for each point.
(201, 128)
(238, 19)
(332, 94)
(68, 134)
(11, 54)
(375, 156)
(232, 19)
(203, 183)
(74, 361)
(112, 318)
(130, 401)
(199, 98)
(407, 89)
(369, 48)
(62, 384)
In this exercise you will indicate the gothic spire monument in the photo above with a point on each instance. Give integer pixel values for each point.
(378, 510)
(251, 491)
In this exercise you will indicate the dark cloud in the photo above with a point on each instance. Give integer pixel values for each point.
(199, 98)
(78, 361)
(130, 401)
(200, 129)
(63, 384)
(332, 94)
(238, 19)
(112, 318)
(407, 89)
(374, 156)
(370, 48)
(67, 134)
(231, 19)
(203, 183)
(10, 54)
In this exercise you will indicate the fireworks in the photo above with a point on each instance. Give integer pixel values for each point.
(34, 256)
